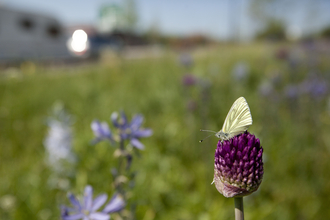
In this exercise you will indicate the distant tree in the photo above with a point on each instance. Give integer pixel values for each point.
(274, 30)
(131, 16)
(265, 12)
(325, 32)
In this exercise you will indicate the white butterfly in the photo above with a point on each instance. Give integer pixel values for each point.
(237, 121)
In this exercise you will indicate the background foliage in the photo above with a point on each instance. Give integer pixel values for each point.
(174, 172)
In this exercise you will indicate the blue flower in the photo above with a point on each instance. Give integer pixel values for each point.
(58, 142)
(101, 131)
(130, 131)
(116, 204)
(291, 91)
(87, 210)
(314, 86)
(240, 71)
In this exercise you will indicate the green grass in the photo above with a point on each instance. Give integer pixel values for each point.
(174, 172)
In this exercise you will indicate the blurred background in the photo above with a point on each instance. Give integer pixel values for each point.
(181, 64)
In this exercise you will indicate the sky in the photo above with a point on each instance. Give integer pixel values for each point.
(215, 18)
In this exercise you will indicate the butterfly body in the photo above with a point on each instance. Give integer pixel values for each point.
(222, 135)
(237, 121)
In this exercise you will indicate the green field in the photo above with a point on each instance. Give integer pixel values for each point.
(175, 171)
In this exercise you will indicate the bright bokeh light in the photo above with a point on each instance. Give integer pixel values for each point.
(79, 36)
(79, 41)
(78, 46)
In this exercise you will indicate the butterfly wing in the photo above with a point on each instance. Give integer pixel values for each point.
(238, 118)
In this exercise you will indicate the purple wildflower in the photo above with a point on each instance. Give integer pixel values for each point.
(101, 131)
(189, 80)
(315, 87)
(87, 210)
(238, 166)
(130, 131)
(115, 205)
(291, 91)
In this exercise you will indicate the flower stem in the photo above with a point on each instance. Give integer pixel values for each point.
(239, 212)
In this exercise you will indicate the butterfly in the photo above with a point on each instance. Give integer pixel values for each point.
(237, 121)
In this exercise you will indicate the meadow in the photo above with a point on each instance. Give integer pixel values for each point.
(286, 87)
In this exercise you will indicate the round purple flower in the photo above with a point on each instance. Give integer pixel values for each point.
(238, 166)
(189, 80)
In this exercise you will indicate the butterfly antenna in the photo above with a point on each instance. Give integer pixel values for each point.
(205, 138)
(208, 131)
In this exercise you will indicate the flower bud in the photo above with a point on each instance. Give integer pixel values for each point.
(238, 166)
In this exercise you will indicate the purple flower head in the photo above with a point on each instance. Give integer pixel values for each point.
(238, 166)
(130, 131)
(189, 80)
(87, 210)
(101, 131)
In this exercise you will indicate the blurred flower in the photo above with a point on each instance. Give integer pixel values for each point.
(7, 202)
(186, 60)
(87, 210)
(130, 131)
(101, 131)
(116, 204)
(58, 142)
(291, 91)
(282, 54)
(315, 87)
(238, 166)
(189, 80)
(240, 71)
(266, 89)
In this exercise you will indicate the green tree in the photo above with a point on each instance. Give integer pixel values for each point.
(274, 30)
(131, 15)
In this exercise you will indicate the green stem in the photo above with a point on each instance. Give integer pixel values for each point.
(239, 212)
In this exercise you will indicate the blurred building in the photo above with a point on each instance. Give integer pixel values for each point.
(30, 36)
